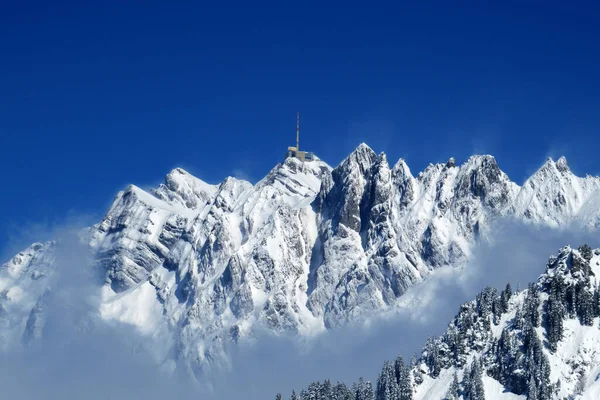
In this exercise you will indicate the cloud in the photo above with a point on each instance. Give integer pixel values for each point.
(242, 174)
(517, 255)
(20, 236)
(80, 356)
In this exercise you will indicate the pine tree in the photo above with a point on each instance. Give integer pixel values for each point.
(537, 367)
(532, 391)
(571, 301)
(357, 388)
(293, 396)
(477, 389)
(467, 383)
(505, 297)
(387, 385)
(518, 320)
(545, 386)
(497, 310)
(586, 252)
(528, 333)
(580, 266)
(596, 302)
(403, 379)
(368, 393)
(503, 351)
(485, 300)
(326, 390)
(432, 357)
(278, 396)
(555, 313)
(314, 391)
(399, 366)
(452, 393)
(341, 392)
(585, 305)
(452, 339)
(364, 390)
(532, 304)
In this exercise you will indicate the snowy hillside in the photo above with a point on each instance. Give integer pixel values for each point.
(539, 343)
(196, 267)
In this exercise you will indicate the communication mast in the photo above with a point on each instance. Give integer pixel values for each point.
(294, 152)
(298, 131)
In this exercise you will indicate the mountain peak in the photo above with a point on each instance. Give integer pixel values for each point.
(549, 163)
(562, 164)
(179, 176)
(482, 159)
(364, 150)
(363, 146)
(178, 171)
(183, 188)
(363, 156)
(382, 160)
(402, 170)
(552, 167)
(486, 164)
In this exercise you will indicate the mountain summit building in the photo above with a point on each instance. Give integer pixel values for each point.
(295, 151)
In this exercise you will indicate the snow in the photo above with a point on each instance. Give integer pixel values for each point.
(576, 360)
(555, 188)
(319, 246)
(138, 307)
(579, 352)
(595, 266)
(435, 388)
(592, 392)
(495, 391)
(154, 202)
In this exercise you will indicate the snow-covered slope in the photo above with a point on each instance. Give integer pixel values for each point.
(197, 266)
(539, 343)
(542, 343)
(22, 290)
(554, 196)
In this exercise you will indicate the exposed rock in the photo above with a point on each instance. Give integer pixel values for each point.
(306, 248)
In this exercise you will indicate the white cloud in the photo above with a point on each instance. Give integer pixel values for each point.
(79, 357)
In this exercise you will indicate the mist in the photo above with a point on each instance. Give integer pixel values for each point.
(81, 356)
(518, 255)
(78, 356)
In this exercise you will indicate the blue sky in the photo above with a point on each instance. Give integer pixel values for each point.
(95, 97)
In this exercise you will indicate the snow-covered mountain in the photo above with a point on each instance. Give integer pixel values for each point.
(539, 343)
(196, 266)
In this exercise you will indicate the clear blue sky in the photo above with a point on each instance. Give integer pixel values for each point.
(93, 97)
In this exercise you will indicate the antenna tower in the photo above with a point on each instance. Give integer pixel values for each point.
(298, 131)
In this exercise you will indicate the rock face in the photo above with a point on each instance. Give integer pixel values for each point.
(554, 195)
(197, 266)
(23, 288)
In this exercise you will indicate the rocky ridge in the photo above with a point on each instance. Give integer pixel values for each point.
(308, 248)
